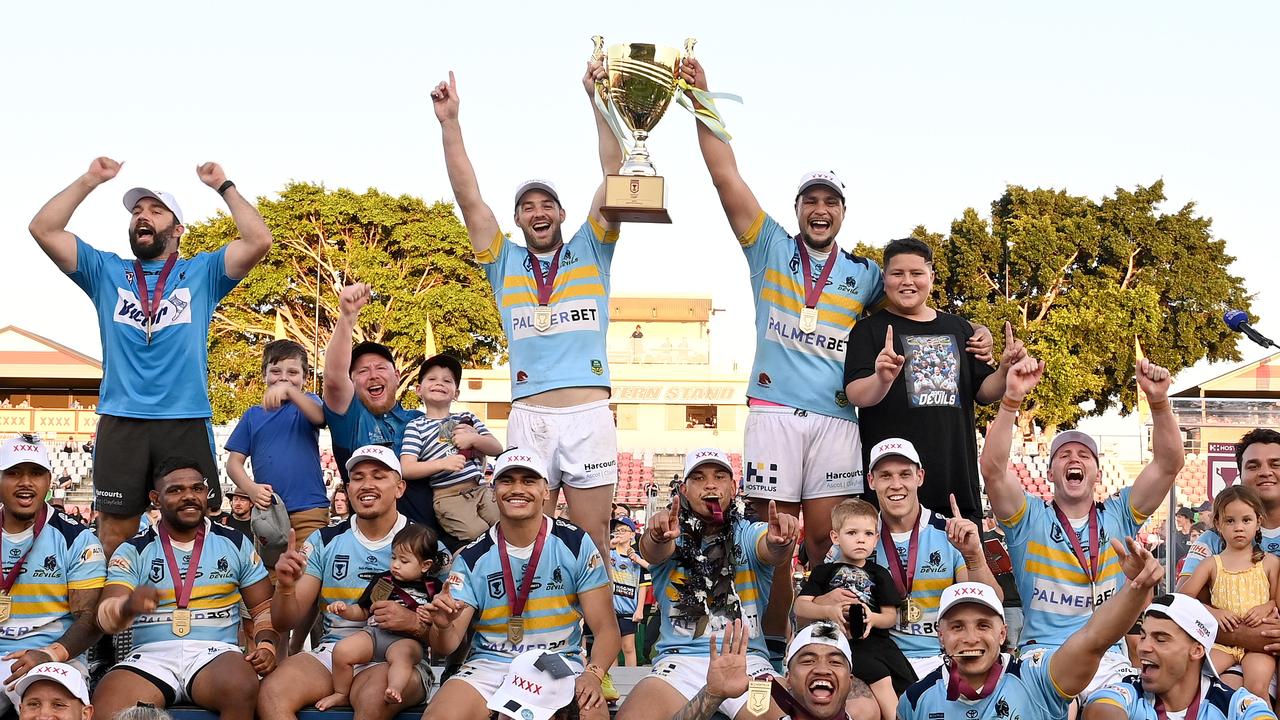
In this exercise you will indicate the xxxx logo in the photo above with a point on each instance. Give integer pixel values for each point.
(526, 685)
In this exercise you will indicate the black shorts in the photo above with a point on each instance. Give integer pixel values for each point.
(626, 625)
(878, 657)
(128, 451)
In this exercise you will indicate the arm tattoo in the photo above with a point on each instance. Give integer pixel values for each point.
(859, 689)
(84, 629)
(701, 707)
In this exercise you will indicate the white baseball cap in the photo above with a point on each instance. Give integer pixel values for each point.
(512, 458)
(819, 633)
(1187, 613)
(61, 673)
(893, 447)
(377, 453)
(1070, 436)
(706, 455)
(529, 692)
(825, 178)
(969, 592)
(132, 197)
(24, 449)
(545, 186)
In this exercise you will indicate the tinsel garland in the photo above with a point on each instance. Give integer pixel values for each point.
(707, 588)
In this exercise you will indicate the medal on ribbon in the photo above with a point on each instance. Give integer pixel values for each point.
(904, 577)
(381, 590)
(545, 283)
(9, 579)
(758, 697)
(151, 302)
(812, 289)
(517, 600)
(1088, 564)
(182, 584)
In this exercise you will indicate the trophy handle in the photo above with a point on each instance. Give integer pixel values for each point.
(688, 47)
(602, 92)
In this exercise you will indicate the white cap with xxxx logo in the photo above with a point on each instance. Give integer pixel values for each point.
(706, 455)
(24, 449)
(513, 458)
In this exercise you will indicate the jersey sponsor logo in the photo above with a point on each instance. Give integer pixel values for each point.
(172, 310)
(849, 285)
(93, 552)
(597, 367)
(121, 563)
(1002, 708)
(764, 380)
(341, 564)
(567, 316)
(157, 570)
(842, 400)
(761, 477)
(1064, 599)
(826, 342)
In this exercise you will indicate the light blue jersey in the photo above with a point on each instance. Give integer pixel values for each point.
(569, 566)
(228, 563)
(570, 353)
(1025, 691)
(937, 561)
(752, 579)
(1217, 701)
(344, 560)
(1210, 543)
(1057, 597)
(67, 556)
(168, 378)
(625, 574)
(783, 352)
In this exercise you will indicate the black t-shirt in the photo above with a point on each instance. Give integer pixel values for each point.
(245, 526)
(930, 403)
(870, 582)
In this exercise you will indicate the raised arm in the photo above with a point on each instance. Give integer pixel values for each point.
(482, 225)
(1157, 478)
(1004, 491)
(778, 545)
(870, 390)
(255, 239)
(740, 204)
(660, 533)
(338, 388)
(296, 591)
(609, 149)
(1014, 351)
(964, 536)
(49, 226)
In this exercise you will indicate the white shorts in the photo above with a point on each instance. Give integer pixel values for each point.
(925, 665)
(688, 675)
(172, 664)
(579, 443)
(324, 653)
(10, 699)
(792, 455)
(486, 675)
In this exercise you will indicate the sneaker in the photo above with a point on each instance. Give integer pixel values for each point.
(608, 690)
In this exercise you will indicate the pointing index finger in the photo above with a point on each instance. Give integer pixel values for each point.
(955, 507)
(293, 540)
(888, 339)
(1008, 333)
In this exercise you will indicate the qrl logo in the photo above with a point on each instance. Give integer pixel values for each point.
(634, 187)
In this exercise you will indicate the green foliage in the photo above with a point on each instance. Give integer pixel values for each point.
(1079, 279)
(416, 258)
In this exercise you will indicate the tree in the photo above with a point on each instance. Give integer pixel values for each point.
(1080, 279)
(416, 257)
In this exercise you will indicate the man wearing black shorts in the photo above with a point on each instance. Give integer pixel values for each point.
(154, 311)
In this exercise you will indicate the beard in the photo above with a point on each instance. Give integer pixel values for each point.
(173, 519)
(154, 247)
(814, 245)
(557, 239)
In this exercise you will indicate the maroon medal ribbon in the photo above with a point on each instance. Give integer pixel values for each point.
(1089, 564)
(959, 687)
(516, 601)
(1193, 710)
(10, 578)
(151, 302)
(546, 283)
(904, 578)
(812, 289)
(182, 585)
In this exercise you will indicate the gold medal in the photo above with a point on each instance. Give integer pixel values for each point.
(542, 318)
(515, 629)
(915, 613)
(181, 622)
(758, 692)
(808, 320)
(6, 607)
(381, 591)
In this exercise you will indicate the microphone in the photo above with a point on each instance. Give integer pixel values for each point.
(1237, 320)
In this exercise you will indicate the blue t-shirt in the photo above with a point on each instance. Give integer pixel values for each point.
(285, 451)
(626, 574)
(358, 427)
(937, 561)
(793, 368)
(344, 560)
(1217, 701)
(570, 353)
(168, 378)
(228, 563)
(1025, 690)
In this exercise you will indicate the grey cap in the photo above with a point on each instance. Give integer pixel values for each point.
(270, 530)
(1070, 436)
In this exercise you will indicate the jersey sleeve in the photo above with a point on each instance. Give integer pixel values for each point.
(875, 296)
(220, 283)
(1209, 543)
(601, 241)
(464, 585)
(88, 270)
(590, 573)
(1019, 527)
(759, 240)
(314, 549)
(1247, 706)
(1039, 682)
(412, 441)
(1121, 504)
(88, 566)
(124, 568)
(241, 439)
(817, 582)
(251, 568)
(1121, 696)
(862, 349)
(906, 711)
(749, 535)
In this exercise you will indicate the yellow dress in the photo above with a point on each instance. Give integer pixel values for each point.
(1239, 591)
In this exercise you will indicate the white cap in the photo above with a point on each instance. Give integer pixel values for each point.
(545, 186)
(519, 458)
(24, 449)
(819, 633)
(893, 447)
(1070, 436)
(61, 673)
(1187, 613)
(706, 455)
(969, 592)
(825, 178)
(132, 197)
(378, 453)
(530, 693)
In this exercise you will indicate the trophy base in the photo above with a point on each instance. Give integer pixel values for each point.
(635, 198)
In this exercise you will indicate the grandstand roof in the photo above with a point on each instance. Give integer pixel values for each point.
(29, 360)
(1256, 380)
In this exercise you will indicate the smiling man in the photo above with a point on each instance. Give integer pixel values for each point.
(154, 312)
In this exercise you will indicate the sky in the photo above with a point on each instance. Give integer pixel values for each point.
(922, 108)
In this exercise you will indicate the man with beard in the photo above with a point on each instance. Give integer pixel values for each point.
(710, 566)
(241, 511)
(1062, 562)
(153, 315)
(336, 564)
(560, 581)
(553, 295)
(801, 445)
(179, 586)
(52, 575)
(1177, 677)
(981, 681)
